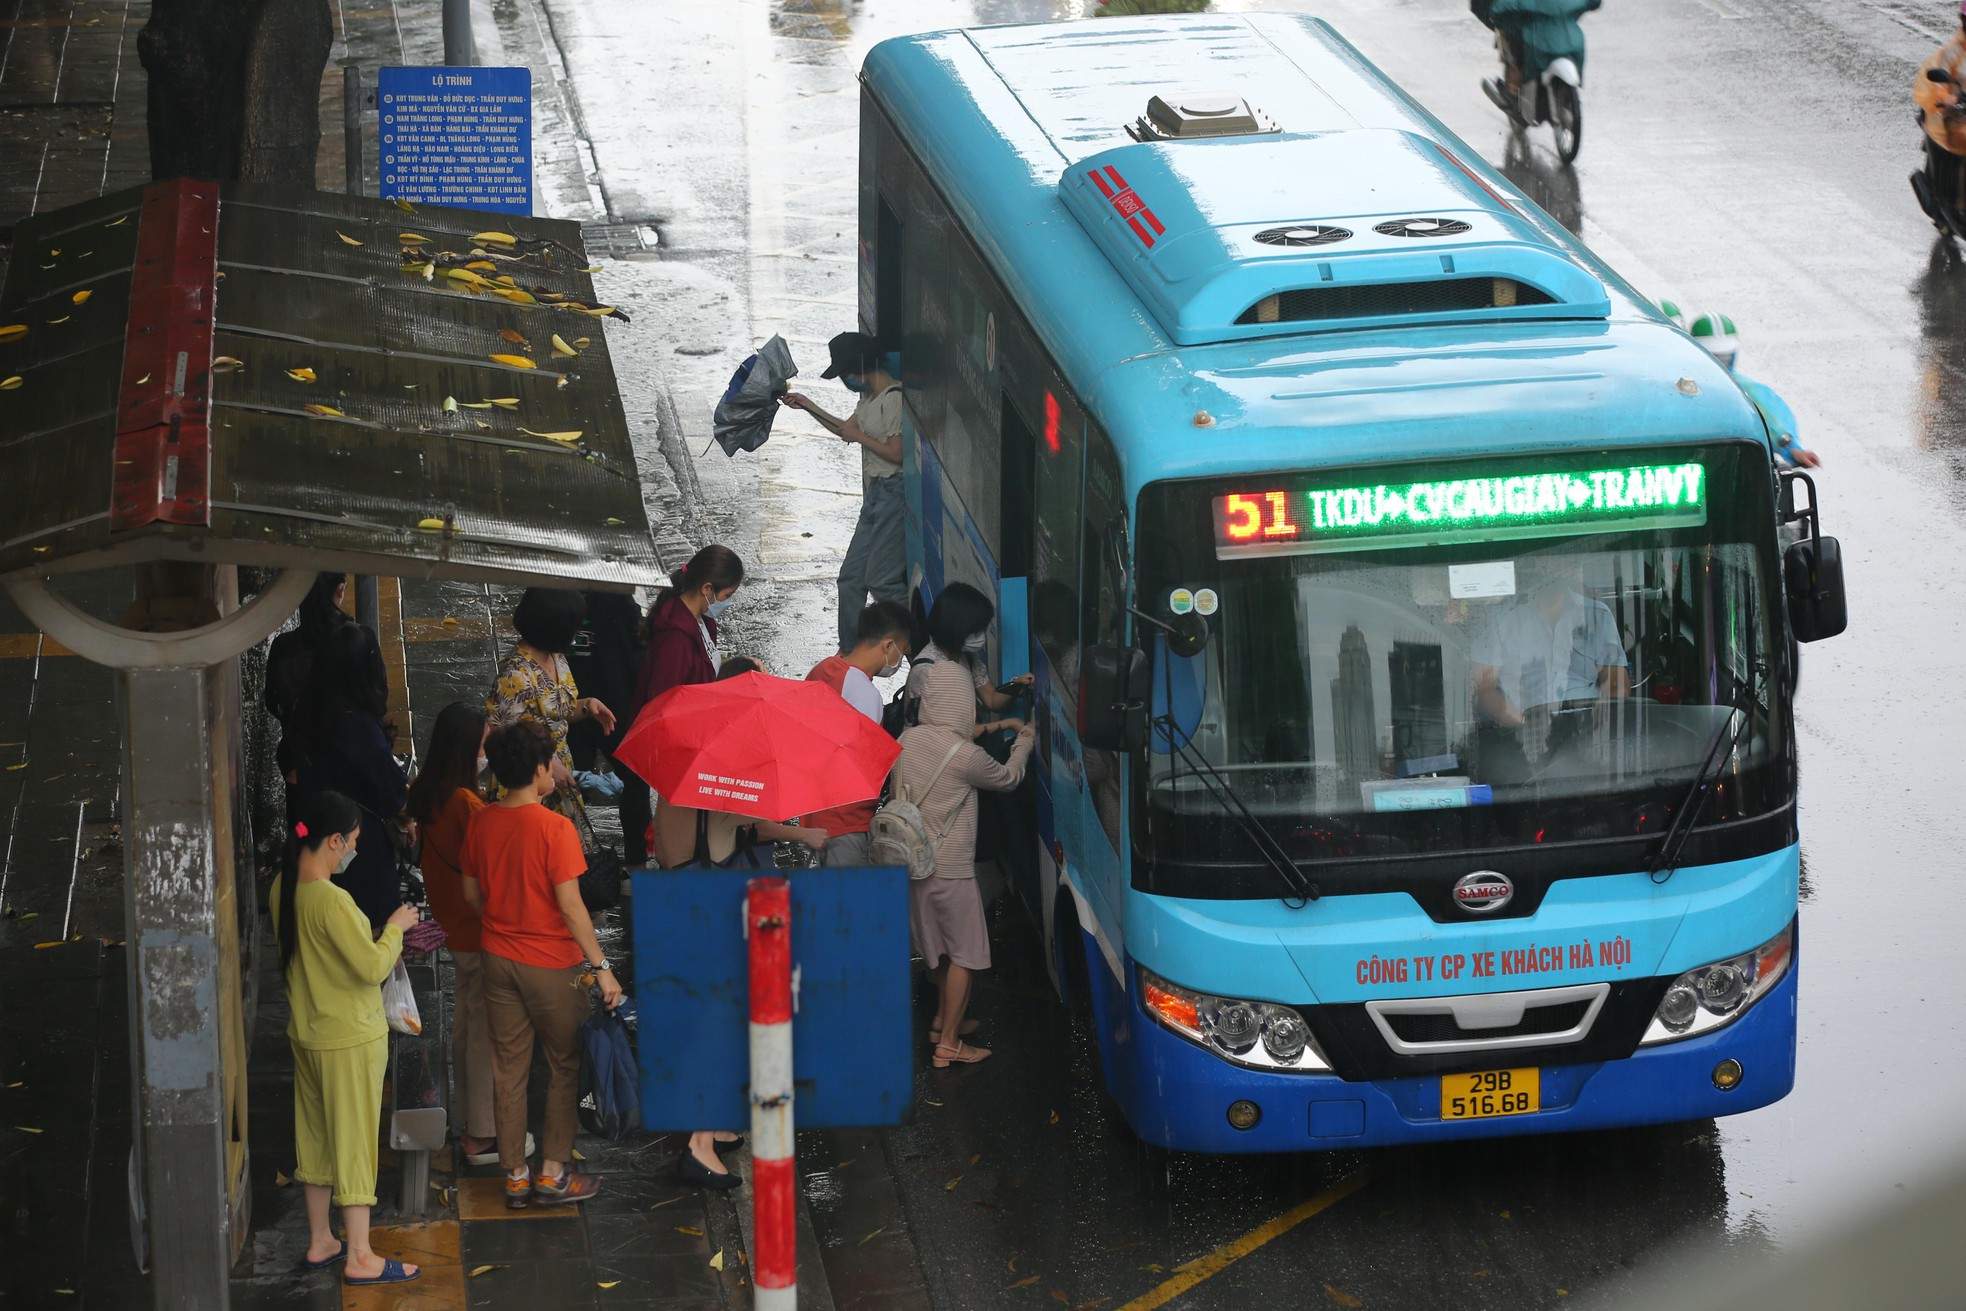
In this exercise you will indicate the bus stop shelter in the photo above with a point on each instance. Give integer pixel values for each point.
(198, 380)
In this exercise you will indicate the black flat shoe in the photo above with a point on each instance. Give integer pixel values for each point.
(695, 1172)
(726, 1148)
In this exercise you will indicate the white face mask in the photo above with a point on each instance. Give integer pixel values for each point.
(888, 670)
(347, 859)
(975, 644)
(483, 765)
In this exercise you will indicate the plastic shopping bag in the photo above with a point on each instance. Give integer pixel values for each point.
(399, 1001)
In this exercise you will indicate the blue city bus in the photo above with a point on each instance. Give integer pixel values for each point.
(1412, 628)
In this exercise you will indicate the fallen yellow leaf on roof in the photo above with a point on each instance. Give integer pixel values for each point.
(327, 410)
(301, 375)
(612, 1283)
(505, 279)
(690, 1230)
(450, 405)
(1340, 1297)
(412, 238)
(497, 238)
(483, 265)
(13, 332)
(8, 384)
(516, 296)
(81, 297)
(227, 364)
(405, 206)
(506, 402)
(516, 361)
(117, 223)
(346, 239)
(63, 319)
(514, 336)
(450, 621)
(476, 405)
(560, 346)
(717, 1261)
(581, 343)
(432, 526)
(479, 1270)
(145, 378)
(597, 311)
(594, 269)
(555, 436)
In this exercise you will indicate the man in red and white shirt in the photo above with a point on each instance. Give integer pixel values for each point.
(882, 638)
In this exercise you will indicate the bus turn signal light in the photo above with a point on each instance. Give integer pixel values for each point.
(1176, 1009)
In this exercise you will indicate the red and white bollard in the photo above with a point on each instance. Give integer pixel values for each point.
(774, 1176)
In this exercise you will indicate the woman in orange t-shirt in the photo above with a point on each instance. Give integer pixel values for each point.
(521, 868)
(442, 801)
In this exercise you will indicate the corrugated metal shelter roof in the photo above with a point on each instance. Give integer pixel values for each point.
(280, 377)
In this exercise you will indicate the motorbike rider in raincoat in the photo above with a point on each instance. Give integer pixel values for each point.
(1943, 116)
(1535, 34)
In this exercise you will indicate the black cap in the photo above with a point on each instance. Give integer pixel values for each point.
(853, 352)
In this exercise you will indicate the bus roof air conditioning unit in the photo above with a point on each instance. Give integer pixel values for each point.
(1200, 114)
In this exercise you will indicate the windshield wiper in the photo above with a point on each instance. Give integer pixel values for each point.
(1665, 860)
(1301, 889)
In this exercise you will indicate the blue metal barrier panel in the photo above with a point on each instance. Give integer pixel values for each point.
(851, 1057)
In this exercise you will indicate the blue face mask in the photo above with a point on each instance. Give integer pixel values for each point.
(852, 383)
(718, 609)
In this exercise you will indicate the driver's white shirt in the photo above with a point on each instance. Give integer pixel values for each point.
(1540, 662)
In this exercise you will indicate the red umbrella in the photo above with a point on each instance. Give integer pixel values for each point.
(754, 745)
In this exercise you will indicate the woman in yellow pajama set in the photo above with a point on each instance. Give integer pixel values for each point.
(334, 971)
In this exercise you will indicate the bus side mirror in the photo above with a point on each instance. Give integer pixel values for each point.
(1812, 575)
(1113, 699)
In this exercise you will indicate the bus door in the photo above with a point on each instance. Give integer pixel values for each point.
(1009, 824)
(1099, 859)
(1057, 475)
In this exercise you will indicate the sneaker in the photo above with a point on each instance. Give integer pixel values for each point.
(569, 1187)
(490, 1157)
(518, 1192)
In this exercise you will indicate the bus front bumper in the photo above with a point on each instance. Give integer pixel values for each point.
(1177, 1095)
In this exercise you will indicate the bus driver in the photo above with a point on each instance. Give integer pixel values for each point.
(1553, 646)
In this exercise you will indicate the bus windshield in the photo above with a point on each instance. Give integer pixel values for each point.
(1497, 661)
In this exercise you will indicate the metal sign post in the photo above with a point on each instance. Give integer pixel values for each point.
(774, 1174)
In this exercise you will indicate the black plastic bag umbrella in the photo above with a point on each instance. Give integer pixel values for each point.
(750, 403)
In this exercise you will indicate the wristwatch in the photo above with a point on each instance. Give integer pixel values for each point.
(603, 964)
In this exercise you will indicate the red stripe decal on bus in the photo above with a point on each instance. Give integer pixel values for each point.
(1101, 182)
(1140, 231)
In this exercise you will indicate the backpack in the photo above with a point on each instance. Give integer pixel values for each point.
(898, 835)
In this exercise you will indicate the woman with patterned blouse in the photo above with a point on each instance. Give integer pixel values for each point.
(534, 682)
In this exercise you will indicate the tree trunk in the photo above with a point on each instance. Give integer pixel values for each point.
(235, 87)
(285, 58)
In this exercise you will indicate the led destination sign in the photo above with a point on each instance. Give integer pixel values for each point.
(1547, 503)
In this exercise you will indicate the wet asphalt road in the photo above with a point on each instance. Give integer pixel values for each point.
(1747, 156)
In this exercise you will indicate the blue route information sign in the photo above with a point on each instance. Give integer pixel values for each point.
(457, 136)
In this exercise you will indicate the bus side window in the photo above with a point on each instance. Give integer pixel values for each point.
(1105, 605)
(1014, 498)
(889, 325)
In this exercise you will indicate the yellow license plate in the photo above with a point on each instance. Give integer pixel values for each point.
(1489, 1093)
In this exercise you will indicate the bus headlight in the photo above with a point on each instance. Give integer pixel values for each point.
(1714, 995)
(1260, 1034)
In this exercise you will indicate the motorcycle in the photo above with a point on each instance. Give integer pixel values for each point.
(1554, 98)
(1937, 184)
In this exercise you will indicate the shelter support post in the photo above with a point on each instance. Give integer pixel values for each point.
(458, 49)
(774, 1174)
(182, 924)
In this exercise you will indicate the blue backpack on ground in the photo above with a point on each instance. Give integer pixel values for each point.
(610, 1096)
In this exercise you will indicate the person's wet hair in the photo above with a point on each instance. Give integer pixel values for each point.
(517, 750)
(548, 618)
(882, 620)
(737, 665)
(960, 613)
(450, 761)
(313, 820)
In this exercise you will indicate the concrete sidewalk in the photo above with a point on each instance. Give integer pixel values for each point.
(72, 126)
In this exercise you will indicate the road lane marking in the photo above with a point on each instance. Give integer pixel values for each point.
(1214, 1263)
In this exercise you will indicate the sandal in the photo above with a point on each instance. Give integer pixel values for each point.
(968, 1027)
(392, 1273)
(960, 1054)
(306, 1264)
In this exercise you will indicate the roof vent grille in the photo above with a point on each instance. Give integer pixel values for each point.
(1195, 115)
(1393, 300)
(1421, 227)
(1304, 234)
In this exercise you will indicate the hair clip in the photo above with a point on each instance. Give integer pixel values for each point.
(300, 830)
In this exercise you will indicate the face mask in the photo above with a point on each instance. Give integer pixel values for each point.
(889, 669)
(718, 609)
(852, 383)
(975, 644)
(347, 859)
(483, 764)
